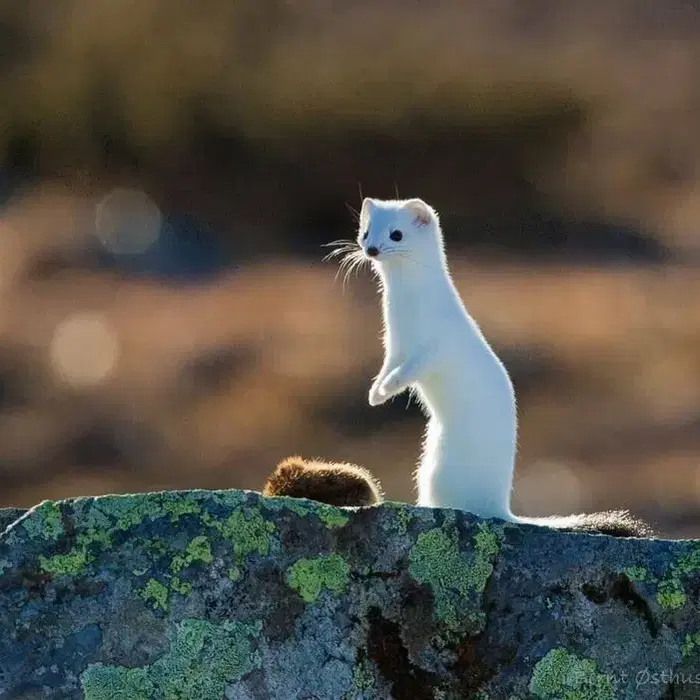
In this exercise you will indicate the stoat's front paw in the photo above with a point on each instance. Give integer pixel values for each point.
(376, 395)
(392, 385)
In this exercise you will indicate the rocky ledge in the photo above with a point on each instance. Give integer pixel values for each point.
(205, 595)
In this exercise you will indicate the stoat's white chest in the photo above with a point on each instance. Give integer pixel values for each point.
(405, 329)
(416, 313)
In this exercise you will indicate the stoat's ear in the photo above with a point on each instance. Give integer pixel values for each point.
(366, 212)
(423, 214)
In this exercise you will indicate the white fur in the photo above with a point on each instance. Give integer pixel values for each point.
(433, 347)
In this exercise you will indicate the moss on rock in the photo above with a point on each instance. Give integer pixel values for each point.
(198, 550)
(156, 594)
(309, 577)
(330, 516)
(561, 675)
(116, 683)
(454, 576)
(247, 530)
(71, 564)
(44, 521)
(691, 645)
(202, 660)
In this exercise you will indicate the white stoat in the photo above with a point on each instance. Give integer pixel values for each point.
(435, 348)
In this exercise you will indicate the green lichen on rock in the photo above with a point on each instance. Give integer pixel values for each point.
(671, 589)
(309, 577)
(404, 518)
(70, 564)
(131, 510)
(670, 595)
(487, 545)
(301, 506)
(178, 507)
(436, 560)
(561, 675)
(116, 683)
(636, 573)
(156, 546)
(689, 563)
(75, 561)
(111, 514)
(330, 516)
(44, 521)
(184, 588)
(364, 676)
(156, 594)
(199, 549)
(403, 515)
(245, 528)
(691, 645)
(247, 531)
(107, 516)
(202, 660)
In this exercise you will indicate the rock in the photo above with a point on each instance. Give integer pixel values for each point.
(205, 595)
(9, 515)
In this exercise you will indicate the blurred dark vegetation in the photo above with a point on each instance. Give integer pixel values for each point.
(169, 170)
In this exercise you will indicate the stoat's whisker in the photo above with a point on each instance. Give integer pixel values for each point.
(338, 251)
(353, 211)
(348, 262)
(340, 241)
(343, 247)
(360, 262)
(344, 262)
(352, 262)
(348, 252)
(349, 255)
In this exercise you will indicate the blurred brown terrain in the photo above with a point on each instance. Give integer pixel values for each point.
(170, 169)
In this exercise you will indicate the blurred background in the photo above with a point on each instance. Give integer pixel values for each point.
(169, 170)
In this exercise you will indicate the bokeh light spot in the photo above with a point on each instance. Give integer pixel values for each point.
(127, 221)
(84, 349)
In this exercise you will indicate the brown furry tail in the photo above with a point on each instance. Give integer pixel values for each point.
(328, 482)
(617, 523)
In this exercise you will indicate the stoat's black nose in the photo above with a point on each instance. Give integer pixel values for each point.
(373, 251)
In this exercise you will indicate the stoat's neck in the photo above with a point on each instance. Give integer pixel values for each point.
(416, 266)
(413, 292)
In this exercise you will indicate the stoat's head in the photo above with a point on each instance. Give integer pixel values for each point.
(399, 230)
(393, 233)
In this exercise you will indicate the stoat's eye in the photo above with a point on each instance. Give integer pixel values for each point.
(396, 236)
(365, 234)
